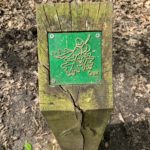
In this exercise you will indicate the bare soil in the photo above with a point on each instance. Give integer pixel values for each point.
(20, 118)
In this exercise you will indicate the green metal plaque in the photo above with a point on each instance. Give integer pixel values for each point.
(75, 57)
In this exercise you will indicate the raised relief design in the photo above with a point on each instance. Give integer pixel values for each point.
(77, 60)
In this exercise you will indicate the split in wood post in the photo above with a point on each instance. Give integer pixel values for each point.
(75, 71)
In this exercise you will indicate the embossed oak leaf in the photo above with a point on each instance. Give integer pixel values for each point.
(76, 60)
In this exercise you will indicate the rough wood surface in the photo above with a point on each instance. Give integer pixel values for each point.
(76, 17)
(72, 103)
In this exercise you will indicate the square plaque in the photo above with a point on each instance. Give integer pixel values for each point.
(75, 57)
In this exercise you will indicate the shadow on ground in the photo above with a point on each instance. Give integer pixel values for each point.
(127, 136)
(18, 49)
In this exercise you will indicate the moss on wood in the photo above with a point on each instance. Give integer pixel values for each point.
(81, 112)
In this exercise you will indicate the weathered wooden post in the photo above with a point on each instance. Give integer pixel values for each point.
(75, 71)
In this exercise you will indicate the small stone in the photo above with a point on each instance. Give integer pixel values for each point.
(23, 110)
(147, 110)
(29, 36)
(14, 138)
(106, 144)
(10, 24)
(121, 118)
(44, 1)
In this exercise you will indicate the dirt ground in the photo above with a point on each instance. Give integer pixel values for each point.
(20, 118)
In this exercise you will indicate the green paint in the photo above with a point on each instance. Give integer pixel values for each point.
(75, 57)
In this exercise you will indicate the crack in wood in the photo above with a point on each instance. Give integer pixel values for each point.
(70, 15)
(86, 20)
(77, 110)
(41, 19)
(55, 18)
(81, 112)
(46, 18)
(58, 17)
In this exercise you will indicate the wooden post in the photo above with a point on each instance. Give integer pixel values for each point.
(76, 113)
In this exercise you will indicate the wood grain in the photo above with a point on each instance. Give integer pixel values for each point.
(76, 17)
(76, 101)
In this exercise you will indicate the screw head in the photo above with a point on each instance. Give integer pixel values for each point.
(51, 36)
(53, 81)
(97, 35)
